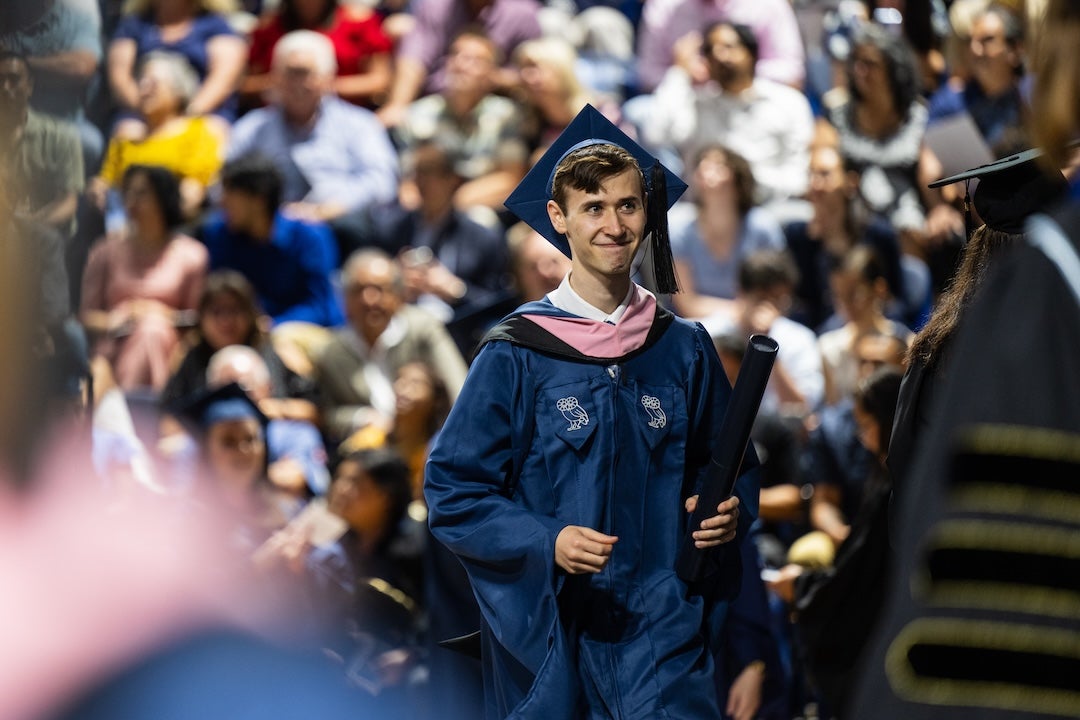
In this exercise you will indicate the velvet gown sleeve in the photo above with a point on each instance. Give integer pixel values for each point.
(506, 546)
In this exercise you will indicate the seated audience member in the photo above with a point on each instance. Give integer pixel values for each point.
(186, 145)
(228, 314)
(230, 433)
(836, 608)
(724, 227)
(361, 48)
(61, 41)
(767, 281)
(141, 284)
(991, 94)
(537, 266)
(549, 90)
(451, 266)
(835, 462)
(198, 31)
(40, 154)
(769, 123)
(33, 253)
(421, 406)
(372, 576)
(335, 158)
(835, 227)
(668, 26)
(356, 369)
(481, 129)
(288, 261)
(421, 56)
(880, 129)
(296, 457)
(603, 36)
(862, 294)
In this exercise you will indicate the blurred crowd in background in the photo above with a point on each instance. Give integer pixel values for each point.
(260, 240)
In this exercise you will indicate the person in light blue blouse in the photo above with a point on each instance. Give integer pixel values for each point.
(723, 226)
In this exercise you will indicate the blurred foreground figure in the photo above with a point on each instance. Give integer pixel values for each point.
(96, 624)
(118, 603)
(984, 622)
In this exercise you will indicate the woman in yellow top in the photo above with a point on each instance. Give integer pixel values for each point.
(188, 146)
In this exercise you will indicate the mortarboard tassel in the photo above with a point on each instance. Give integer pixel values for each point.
(663, 264)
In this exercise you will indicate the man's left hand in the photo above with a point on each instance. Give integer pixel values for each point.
(718, 529)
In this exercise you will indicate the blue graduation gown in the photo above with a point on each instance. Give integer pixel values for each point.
(539, 440)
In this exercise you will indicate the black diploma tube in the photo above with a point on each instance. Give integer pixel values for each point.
(729, 448)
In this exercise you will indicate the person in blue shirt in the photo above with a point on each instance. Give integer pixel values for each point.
(563, 475)
(995, 94)
(288, 261)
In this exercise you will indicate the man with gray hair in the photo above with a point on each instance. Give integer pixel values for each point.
(357, 368)
(336, 158)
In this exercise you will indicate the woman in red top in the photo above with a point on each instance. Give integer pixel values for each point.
(360, 44)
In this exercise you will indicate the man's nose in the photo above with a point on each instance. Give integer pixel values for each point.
(613, 223)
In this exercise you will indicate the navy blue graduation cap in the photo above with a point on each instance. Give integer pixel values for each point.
(529, 199)
(1010, 190)
(207, 407)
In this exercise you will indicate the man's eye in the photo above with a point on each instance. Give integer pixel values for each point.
(630, 206)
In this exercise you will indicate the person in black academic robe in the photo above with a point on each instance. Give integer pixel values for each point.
(984, 620)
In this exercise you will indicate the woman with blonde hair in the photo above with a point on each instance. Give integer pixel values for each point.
(549, 89)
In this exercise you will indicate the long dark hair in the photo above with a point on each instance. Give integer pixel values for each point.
(741, 173)
(390, 473)
(985, 245)
(166, 189)
(877, 396)
(230, 282)
(900, 66)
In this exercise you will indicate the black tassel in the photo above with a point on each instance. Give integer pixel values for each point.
(657, 223)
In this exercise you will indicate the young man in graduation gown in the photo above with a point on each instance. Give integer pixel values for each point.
(564, 474)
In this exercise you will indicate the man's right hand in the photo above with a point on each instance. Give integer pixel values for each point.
(580, 550)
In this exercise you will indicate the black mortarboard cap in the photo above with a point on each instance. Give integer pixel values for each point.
(1011, 189)
(529, 199)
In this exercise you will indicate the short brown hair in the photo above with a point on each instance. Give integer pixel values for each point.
(587, 168)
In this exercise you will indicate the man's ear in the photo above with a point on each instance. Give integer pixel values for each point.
(555, 214)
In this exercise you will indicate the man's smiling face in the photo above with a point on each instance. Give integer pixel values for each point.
(604, 228)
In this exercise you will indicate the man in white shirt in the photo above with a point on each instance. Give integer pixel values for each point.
(768, 123)
(664, 24)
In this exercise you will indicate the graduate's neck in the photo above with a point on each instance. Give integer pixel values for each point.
(604, 293)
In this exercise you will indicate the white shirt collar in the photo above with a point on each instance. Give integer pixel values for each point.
(393, 334)
(564, 298)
